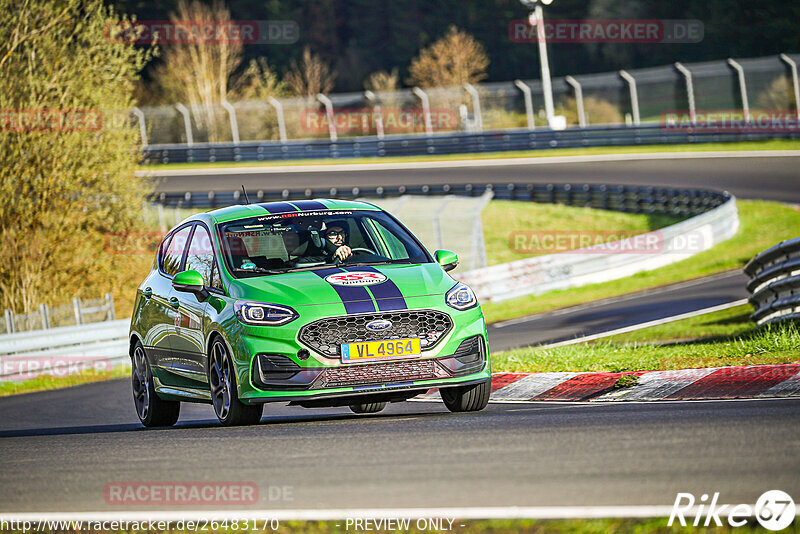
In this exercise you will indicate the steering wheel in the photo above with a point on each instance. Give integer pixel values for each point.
(363, 249)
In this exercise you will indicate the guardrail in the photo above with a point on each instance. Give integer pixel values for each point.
(413, 145)
(64, 350)
(775, 282)
(79, 311)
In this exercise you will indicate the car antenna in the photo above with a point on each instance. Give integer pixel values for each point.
(246, 200)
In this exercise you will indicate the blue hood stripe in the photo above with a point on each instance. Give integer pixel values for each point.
(387, 295)
(356, 299)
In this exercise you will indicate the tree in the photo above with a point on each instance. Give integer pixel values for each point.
(68, 150)
(199, 72)
(454, 60)
(310, 76)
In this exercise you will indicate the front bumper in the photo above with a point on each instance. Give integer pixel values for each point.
(274, 372)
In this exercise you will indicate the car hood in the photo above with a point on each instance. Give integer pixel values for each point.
(308, 288)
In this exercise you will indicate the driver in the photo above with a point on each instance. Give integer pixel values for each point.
(336, 239)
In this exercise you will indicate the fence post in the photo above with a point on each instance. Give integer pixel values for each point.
(187, 123)
(329, 112)
(9, 322)
(111, 314)
(578, 99)
(742, 88)
(478, 258)
(634, 95)
(687, 74)
(142, 126)
(426, 109)
(793, 66)
(437, 224)
(476, 105)
(376, 110)
(281, 119)
(76, 307)
(234, 125)
(526, 93)
(44, 311)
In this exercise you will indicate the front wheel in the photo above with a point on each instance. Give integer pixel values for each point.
(467, 398)
(224, 396)
(151, 409)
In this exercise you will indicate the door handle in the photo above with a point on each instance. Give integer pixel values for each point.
(148, 292)
(174, 302)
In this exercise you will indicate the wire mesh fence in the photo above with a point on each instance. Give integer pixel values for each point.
(79, 311)
(605, 99)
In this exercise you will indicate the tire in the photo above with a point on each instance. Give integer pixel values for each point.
(151, 409)
(467, 398)
(368, 407)
(224, 394)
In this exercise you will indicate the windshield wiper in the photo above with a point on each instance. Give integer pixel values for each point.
(368, 263)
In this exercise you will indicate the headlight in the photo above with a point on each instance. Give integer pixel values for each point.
(260, 314)
(461, 297)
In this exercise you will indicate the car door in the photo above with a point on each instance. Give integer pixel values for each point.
(157, 315)
(164, 308)
(187, 341)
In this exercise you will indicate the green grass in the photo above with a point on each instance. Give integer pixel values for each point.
(506, 221)
(45, 382)
(777, 144)
(762, 224)
(717, 339)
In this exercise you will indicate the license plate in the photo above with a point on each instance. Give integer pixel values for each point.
(374, 350)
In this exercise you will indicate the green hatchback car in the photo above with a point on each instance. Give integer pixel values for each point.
(317, 303)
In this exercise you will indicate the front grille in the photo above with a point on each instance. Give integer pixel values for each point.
(327, 335)
(380, 373)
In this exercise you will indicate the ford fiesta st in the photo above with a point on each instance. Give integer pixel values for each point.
(316, 303)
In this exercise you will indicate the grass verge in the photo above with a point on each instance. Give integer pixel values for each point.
(45, 382)
(776, 144)
(762, 224)
(716, 339)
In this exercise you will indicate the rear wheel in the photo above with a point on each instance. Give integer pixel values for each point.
(151, 409)
(467, 398)
(224, 396)
(368, 407)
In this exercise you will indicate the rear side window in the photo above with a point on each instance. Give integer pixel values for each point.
(173, 254)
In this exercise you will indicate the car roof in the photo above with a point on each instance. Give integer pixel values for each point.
(231, 213)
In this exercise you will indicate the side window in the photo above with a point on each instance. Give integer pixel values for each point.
(395, 248)
(171, 263)
(201, 254)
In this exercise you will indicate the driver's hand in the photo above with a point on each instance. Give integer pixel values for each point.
(343, 252)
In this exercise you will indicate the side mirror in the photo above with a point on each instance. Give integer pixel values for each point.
(191, 282)
(447, 259)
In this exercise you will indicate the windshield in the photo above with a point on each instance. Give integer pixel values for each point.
(274, 244)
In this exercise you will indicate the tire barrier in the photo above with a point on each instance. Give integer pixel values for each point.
(775, 283)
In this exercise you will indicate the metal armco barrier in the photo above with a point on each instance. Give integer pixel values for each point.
(775, 282)
(500, 140)
(64, 350)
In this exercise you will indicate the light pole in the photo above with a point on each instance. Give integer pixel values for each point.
(536, 18)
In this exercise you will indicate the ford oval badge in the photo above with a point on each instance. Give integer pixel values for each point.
(379, 325)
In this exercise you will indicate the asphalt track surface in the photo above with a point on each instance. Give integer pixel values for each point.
(770, 178)
(619, 312)
(59, 449)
